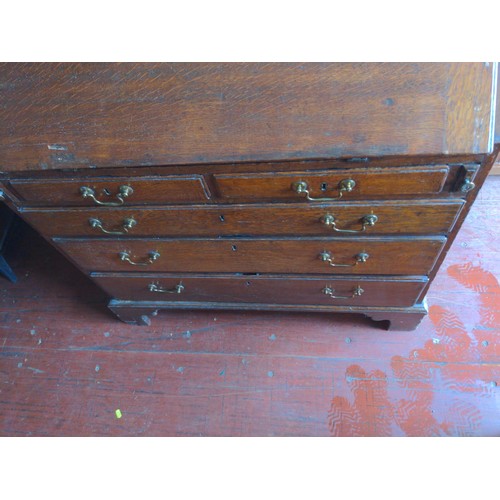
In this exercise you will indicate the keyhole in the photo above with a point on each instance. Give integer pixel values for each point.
(248, 283)
(106, 192)
(221, 217)
(324, 186)
(234, 248)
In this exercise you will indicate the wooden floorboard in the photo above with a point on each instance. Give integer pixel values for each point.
(67, 365)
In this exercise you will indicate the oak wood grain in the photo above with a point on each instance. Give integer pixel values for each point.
(285, 165)
(307, 290)
(64, 115)
(405, 217)
(251, 255)
(170, 189)
(327, 184)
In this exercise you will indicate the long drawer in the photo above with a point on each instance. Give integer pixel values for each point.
(409, 217)
(258, 255)
(362, 291)
(366, 291)
(351, 184)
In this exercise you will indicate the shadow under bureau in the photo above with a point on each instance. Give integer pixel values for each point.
(301, 187)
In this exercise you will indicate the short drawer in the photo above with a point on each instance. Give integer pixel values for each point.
(348, 184)
(114, 191)
(408, 217)
(244, 255)
(310, 290)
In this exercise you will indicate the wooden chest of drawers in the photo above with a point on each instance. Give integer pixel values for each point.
(314, 187)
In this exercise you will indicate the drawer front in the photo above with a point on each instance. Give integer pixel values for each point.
(357, 256)
(116, 191)
(414, 217)
(362, 291)
(348, 184)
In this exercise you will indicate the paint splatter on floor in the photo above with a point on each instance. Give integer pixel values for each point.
(441, 391)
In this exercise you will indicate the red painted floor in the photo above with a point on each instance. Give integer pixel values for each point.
(67, 365)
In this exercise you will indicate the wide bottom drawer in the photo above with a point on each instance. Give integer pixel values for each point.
(265, 289)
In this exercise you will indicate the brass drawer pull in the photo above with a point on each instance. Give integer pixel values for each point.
(330, 291)
(359, 259)
(153, 287)
(124, 191)
(125, 256)
(345, 186)
(366, 221)
(128, 223)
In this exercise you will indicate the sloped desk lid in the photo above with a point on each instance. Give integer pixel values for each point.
(77, 115)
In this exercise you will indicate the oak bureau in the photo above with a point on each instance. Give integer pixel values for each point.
(331, 187)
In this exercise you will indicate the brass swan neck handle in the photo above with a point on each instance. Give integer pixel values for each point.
(302, 187)
(123, 192)
(366, 221)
